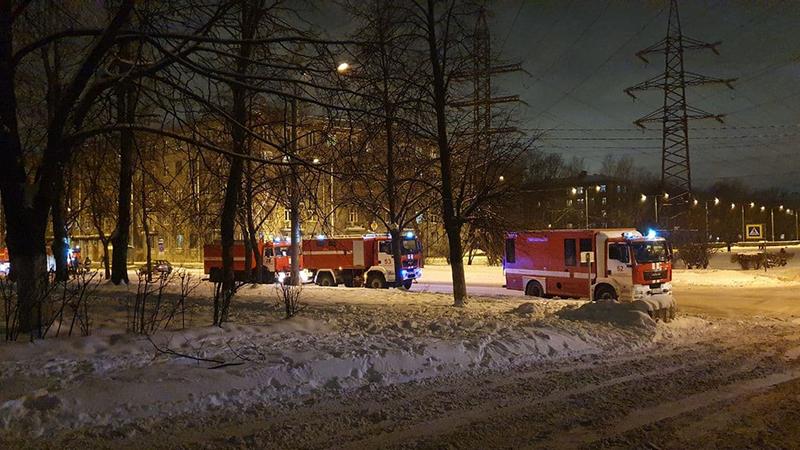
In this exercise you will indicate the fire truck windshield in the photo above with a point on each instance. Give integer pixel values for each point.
(649, 252)
(410, 246)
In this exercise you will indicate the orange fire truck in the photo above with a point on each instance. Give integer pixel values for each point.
(361, 260)
(599, 264)
(276, 265)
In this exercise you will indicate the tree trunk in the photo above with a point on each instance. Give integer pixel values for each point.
(297, 235)
(126, 111)
(59, 244)
(146, 230)
(452, 224)
(106, 262)
(258, 256)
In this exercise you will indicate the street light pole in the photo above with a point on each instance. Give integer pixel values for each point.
(772, 222)
(744, 229)
(655, 207)
(586, 205)
(705, 238)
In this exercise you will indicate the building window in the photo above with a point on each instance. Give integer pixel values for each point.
(603, 188)
(569, 202)
(179, 242)
(603, 200)
(352, 216)
(580, 201)
(579, 190)
(287, 214)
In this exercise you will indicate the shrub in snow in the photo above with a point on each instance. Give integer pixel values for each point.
(524, 309)
(289, 296)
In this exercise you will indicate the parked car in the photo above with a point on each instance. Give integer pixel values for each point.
(159, 267)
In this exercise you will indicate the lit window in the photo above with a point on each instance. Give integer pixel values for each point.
(602, 188)
(604, 200)
(287, 214)
(569, 202)
(352, 216)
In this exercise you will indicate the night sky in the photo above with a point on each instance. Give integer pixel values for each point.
(581, 55)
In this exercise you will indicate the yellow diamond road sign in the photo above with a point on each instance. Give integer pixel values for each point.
(755, 231)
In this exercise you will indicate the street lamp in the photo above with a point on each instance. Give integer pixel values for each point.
(643, 198)
(343, 67)
(716, 201)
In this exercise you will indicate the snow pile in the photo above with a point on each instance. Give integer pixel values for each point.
(618, 313)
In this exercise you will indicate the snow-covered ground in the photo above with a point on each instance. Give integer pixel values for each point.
(345, 342)
(343, 339)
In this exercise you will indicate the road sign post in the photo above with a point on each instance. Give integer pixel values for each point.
(588, 258)
(754, 232)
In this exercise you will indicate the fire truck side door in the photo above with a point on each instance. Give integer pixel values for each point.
(385, 255)
(619, 267)
(269, 259)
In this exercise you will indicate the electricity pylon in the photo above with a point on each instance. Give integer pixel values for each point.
(481, 76)
(676, 179)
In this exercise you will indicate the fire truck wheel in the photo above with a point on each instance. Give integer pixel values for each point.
(407, 284)
(376, 281)
(325, 279)
(534, 289)
(604, 293)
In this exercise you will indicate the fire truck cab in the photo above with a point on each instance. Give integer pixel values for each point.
(361, 260)
(599, 264)
(276, 262)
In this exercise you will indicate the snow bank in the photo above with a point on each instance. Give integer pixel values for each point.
(344, 339)
(777, 277)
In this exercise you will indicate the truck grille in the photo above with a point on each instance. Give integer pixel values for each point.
(655, 275)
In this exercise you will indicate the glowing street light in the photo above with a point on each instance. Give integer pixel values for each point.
(666, 195)
(752, 204)
(643, 198)
(502, 178)
(716, 201)
(695, 202)
(733, 205)
(316, 161)
(574, 191)
(343, 67)
(763, 208)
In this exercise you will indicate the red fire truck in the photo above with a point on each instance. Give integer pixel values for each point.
(599, 264)
(361, 260)
(276, 265)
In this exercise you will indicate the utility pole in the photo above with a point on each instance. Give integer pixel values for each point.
(676, 177)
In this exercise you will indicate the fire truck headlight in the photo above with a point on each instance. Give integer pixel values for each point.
(403, 273)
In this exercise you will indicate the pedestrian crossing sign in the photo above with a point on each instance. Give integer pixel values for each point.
(755, 231)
